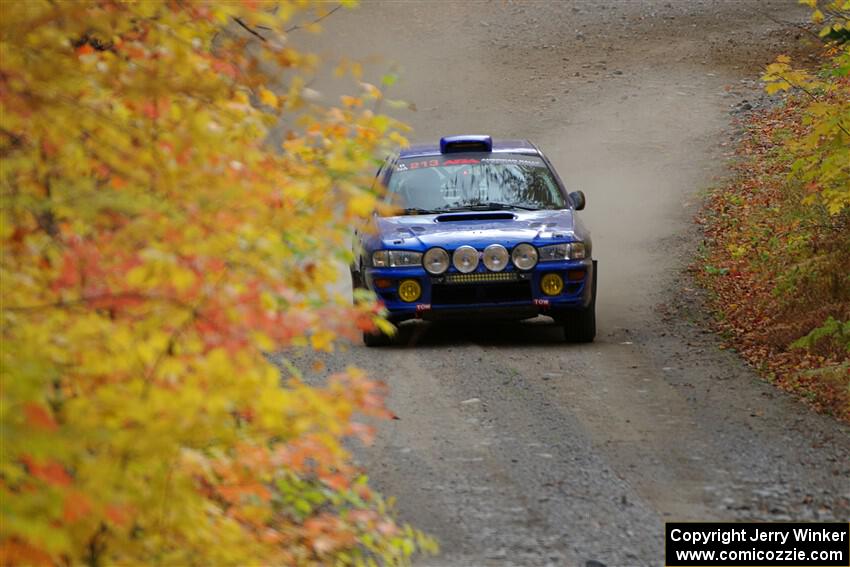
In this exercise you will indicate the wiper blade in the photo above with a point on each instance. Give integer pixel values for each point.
(493, 206)
(418, 211)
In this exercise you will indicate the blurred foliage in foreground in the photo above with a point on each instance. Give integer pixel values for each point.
(152, 250)
(778, 236)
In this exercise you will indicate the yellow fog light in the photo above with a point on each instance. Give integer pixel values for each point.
(552, 284)
(410, 290)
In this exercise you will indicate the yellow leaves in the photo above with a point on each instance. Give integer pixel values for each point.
(268, 98)
(362, 205)
(6, 226)
(241, 98)
(322, 340)
(781, 76)
(385, 326)
(833, 15)
(738, 251)
(173, 252)
(356, 70)
(264, 342)
(351, 101)
(161, 269)
(820, 150)
(398, 139)
(774, 86)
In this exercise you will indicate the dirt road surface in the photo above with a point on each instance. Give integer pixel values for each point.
(513, 447)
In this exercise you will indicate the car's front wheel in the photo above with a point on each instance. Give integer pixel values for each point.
(376, 339)
(580, 325)
(356, 283)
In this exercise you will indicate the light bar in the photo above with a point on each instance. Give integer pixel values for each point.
(482, 277)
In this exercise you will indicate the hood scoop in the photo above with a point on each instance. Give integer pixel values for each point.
(474, 216)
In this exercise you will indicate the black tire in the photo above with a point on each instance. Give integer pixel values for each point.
(356, 283)
(377, 339)
(580, 325)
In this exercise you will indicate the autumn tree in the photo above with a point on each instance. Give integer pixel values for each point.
(154, 248)
(822, 154)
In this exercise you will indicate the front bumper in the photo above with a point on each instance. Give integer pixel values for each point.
(509, 294)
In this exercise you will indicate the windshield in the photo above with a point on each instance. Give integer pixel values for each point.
(459, 182)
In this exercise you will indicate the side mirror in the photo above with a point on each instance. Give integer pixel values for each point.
(578, 199)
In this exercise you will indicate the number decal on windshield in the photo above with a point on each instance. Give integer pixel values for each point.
(423, 163)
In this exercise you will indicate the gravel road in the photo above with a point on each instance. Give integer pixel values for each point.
(512, 447)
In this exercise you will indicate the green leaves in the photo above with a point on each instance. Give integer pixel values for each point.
(832, 331)
(821, 155)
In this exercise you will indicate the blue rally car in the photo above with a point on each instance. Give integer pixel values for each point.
(480, 228)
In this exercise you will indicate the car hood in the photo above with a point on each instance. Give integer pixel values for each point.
(478, 229)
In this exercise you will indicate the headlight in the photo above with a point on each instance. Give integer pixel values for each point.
(496, 257)
(465, 259)
(566, 251)
(436, 261)
(395, 258)
(524, 256)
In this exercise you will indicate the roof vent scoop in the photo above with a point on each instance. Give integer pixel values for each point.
(456, 144)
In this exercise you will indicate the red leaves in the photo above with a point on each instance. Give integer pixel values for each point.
(39, 417)
(51, 472)
(16, 552)
(117, 515)
(69, 274)
(81, 266)
(76, 506)
(327, 533)
(224, 67)
(117, 182)
(85, 49)
(236, 493)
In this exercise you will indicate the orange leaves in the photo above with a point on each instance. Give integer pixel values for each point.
(268, 98)
(117, 515)
(39, 417)
(69, 273)
(236, 494)
(85, 49)
(327, 533)
(76, 506)
(117, 182)
(51, 472)
(351, 102)
(224, 67)
(16, 552)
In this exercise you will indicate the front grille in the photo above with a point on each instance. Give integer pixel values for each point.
(500, 292)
